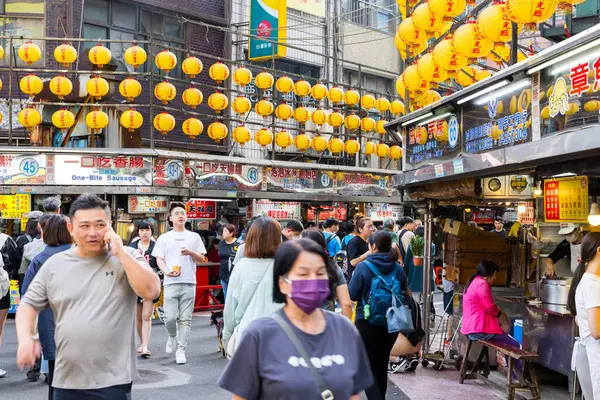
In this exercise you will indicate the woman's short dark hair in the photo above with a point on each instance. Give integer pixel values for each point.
(286, 256)
(56, 231)
(383, 242)
(32, 228)
(316, 236)
(485, 269)
(263, 238)
(230, 228)
(143, 224)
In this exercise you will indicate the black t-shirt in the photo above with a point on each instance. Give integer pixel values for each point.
(356, 248)
(501, 233)
(226, 254)
(563, 250)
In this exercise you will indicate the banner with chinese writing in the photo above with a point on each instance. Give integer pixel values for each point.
(299, 180)
(15, 206)
(267, 22)
(566, 199)
(433, 141)
(381, 211)
(147, 204)
(22, 169)
(355, 184)
(277, 209)
(201, 209)
(168, 172)
(226, 176)
(85, 170)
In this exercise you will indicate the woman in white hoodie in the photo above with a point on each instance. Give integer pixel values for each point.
(250, 289)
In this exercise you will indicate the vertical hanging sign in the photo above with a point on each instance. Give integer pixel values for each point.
(268, 29)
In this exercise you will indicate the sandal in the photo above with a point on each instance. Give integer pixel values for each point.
(147, 354)
(139, 350)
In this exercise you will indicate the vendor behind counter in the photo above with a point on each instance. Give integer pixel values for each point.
(569, 248)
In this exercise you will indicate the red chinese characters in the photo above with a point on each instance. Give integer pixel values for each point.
(579, 79)
(5, 160)
(222, 168)
(597, 74)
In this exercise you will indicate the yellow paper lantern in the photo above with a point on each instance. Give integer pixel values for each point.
(591, 106)
(370, 148)
(302, 88)
(319, 91)
(131, 120)
(395, 152)
(65, 54)
(31, 85)
(380, 127)
(285, 84)
(413, 81)
(97, 87)
(99, 55)
(242, 76)
(164, 122)
(410, 34)
(367, 124)
(218, 102)
(494, 24)
(165, 92)
(351, 97)
(545, 113)
(531, 12)
(469, 42)
(241, 105)
(301, 114)
(284, 112)
(130, 88)
(335, 95)
(283, 139)
(165, 60)
(319, 143)
(217, 131)
(335, 119)
(382, 104)
(319, 117)
(29, 117)
(218, 72)
(264, 80)
(192, 66)
(135, 56)
(432, 97)
(352, 122)
(400, 88)
(264, 137)
(264, 108)
(500, 54)
(447, 9)
(466, 76)
(483, 74)
(302, 142)
(429, 71)
(241, 135)
(367, 101)
(382, 150)
(573, 109)
(335, 145)
(29, 52)
(397, 107)
(63, 119)
(425, 20)
(351, 147)
(96, 120)
(446, 57)
(192, 97)
(1, 55)
(61, 86)
(192, 127)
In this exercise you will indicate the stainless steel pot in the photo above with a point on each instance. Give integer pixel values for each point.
(555, 291)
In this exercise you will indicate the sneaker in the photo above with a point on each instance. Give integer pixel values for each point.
(2, 373)
(171, 345)
(180, 356)
(413, 363)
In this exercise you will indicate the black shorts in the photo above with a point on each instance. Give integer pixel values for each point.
(118, 392)
(5, 301)
(448, 306)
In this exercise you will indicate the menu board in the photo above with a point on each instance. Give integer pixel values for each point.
(566, 199)
(201, 209)
(15, 206)
(277, 209)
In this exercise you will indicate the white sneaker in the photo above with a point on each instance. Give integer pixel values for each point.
(180, 356)
(2, 373)
(171, 345)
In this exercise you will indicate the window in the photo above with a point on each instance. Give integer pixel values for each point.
(378, 86)
(22, 18)
(374, 14)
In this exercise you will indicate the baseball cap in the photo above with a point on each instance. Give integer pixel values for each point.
(35, 215)
(567, 228)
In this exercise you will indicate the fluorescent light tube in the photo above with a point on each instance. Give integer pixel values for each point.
(434, 118)
(420, 117)
(563, 57)
(512, 88)
(483, 91)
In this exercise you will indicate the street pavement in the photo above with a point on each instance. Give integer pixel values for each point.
(160, 377)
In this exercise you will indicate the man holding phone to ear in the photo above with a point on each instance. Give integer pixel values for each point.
(177, 253)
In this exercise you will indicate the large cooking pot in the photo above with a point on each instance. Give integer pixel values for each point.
(555, 291)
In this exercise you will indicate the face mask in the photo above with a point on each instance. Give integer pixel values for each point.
(309, 294)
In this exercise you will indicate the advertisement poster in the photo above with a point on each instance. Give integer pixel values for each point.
(299, 180)
(277, 209)
(147, 204)
(22, 169)
(201, 209)
(86, 170)
(381, 211)
(226, 176)
(433, 141)
(15, 206)
(267, 21)
(566, 199)
(168, 172)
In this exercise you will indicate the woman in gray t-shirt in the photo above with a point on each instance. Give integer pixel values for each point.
(268, 365)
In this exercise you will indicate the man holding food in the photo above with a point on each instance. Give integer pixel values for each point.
(177, 253)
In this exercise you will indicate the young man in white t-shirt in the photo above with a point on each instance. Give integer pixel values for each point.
(177, 253)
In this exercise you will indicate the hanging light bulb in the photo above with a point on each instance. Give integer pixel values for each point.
(594, 216)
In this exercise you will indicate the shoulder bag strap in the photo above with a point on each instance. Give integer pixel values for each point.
(372, 267)
(326, 394)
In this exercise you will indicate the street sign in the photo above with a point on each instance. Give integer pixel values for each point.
(268, 22)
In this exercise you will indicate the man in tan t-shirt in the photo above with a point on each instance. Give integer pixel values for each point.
(92, 290)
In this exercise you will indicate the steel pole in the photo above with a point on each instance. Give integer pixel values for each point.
(427, 277)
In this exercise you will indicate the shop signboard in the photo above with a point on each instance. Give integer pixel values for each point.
(299, 180)
(433, 140)
(168, 172)
(483, 217)
(22, 169)
(526, 210)
(498, 120)
(355, 184)
(336, 210)
(277, 209)
(92, 170)
(566, 199)
(226, 176)
(201, 209)
(570, 92)
(147, 204)
(380, 211)
(267, 22)
(15, 206)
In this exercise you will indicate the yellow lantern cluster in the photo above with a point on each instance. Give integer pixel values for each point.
(412, 81)
(410, 34)
(192, 66)
(97, 87)
(164, 122)
(335, 95)
(264, 80)
(429, 71)
(192, 127)
(31, 85)
(264, 137)
(218, 72)
(192, 97)
(285, 84)
(425, 20)
(65, 54)
(63, 119)
(284, 112)
(242, 76)
(217, 131)
(447, 9)
(494, 24)
(283, 139)
(319, 117)
(99, 55)
(130, 88)
(352, 146)
(135, 56)
(241, 105)
(335, 145)
(318, 91)
(335, 119)
(165, 60)
(531, 12)
(29, 52)
(351, 97)
(319, 143)
(132, 120)
(218, 102)
(264, 108)
(165, 92)
(302, 88)
(61, 86)
(352, 122)
(241, 135)
(302, 114)
(29, 117)
(96, 120)
(446, 57)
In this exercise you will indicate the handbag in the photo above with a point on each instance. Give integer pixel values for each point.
(326, 394)
(399, 318)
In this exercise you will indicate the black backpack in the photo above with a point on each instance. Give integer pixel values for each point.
(400, 246)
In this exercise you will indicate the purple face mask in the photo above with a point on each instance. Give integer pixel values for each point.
(309, 294)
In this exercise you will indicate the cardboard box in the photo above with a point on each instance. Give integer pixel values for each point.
(465, 274)
(472, 259)
(476, 244)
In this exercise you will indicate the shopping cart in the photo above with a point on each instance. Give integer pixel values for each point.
(440, 351)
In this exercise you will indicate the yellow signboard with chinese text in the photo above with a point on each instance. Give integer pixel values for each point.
(566, 199)
(15, 206)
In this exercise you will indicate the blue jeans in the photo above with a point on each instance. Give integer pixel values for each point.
(224, 286)
(504, 338)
